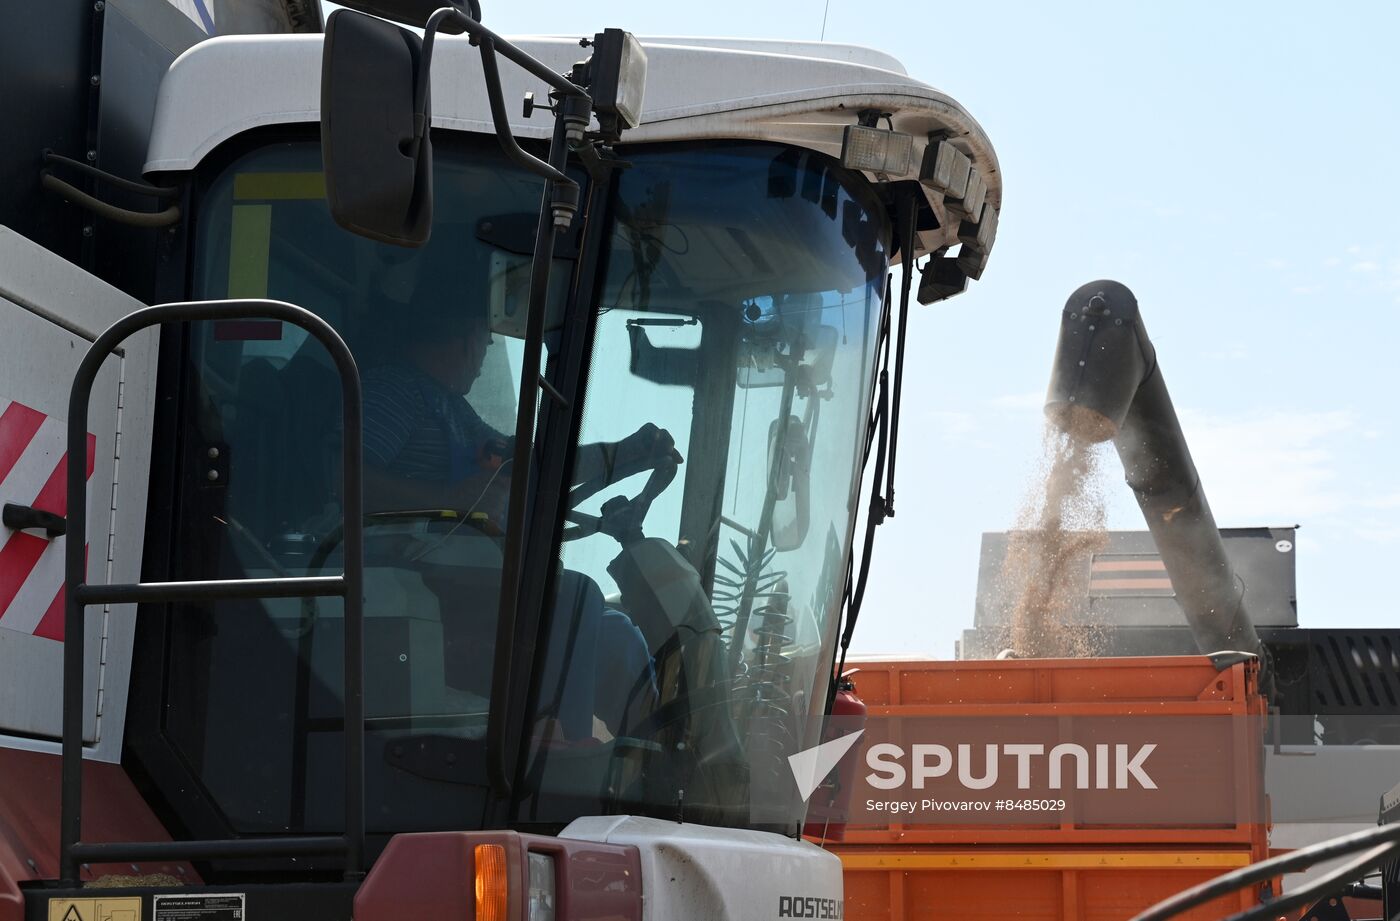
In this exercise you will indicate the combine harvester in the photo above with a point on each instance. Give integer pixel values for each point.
(516, 660)
(473, 531)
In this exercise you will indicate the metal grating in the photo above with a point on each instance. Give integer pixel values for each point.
(1355, 671)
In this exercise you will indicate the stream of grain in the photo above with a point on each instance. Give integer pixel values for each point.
(1044, 580)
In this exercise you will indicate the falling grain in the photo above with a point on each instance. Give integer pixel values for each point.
(1043, 585)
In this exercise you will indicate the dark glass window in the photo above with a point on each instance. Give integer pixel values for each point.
(255, 700)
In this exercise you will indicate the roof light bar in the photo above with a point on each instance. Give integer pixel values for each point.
(982, 233)
(877, 151)
(974, 197)
(945, 168)
(948, 170)
(972, 261)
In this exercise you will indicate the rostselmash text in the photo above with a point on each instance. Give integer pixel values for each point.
(1106, 767)
(805, 906)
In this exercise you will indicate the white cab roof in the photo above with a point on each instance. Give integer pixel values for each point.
(800, 93)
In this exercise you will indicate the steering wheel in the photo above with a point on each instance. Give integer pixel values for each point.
(621, 518)
(456, 519)
(405, 546)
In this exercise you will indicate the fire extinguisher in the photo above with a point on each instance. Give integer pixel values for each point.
(831, 802)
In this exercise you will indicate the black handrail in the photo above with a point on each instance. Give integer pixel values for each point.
(79, 595)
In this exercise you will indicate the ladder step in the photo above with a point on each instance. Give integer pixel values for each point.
(216, 590)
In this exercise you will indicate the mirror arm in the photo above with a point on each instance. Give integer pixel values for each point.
(492, 44)
(502, 123)
(479, 33)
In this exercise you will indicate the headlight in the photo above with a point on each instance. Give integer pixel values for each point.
(541, 895)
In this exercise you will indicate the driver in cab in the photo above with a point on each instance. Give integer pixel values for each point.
(426, 447)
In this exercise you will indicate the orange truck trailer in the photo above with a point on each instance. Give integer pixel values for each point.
(1069, 868)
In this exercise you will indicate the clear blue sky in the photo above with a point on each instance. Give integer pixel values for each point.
(1235, 164)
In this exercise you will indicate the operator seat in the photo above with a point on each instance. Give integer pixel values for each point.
(596, 662)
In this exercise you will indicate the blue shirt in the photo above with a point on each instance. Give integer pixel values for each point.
(419, 430)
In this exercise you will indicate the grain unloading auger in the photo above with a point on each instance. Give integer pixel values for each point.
(1106, 384)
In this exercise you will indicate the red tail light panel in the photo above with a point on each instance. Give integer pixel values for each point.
(431, 875)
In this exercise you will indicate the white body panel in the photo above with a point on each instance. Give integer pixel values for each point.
(803, 94)
(721, 874)
(1306, 811)
(50, 311)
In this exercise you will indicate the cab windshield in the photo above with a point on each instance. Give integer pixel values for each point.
(737, 312)
(688, 640)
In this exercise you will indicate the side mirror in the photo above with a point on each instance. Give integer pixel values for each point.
(378, 163)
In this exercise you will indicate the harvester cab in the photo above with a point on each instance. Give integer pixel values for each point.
(511, 563)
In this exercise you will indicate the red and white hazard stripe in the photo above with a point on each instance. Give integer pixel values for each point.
(33, 469)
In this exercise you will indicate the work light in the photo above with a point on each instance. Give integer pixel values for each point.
(888, 152)
(619, 72)
(945, 168)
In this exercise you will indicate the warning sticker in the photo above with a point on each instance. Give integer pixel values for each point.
(103, 909)
(33, 467)
(204, 906)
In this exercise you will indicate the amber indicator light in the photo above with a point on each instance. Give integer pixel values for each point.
(491, 889)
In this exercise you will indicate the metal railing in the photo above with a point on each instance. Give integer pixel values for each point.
(73, 852)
